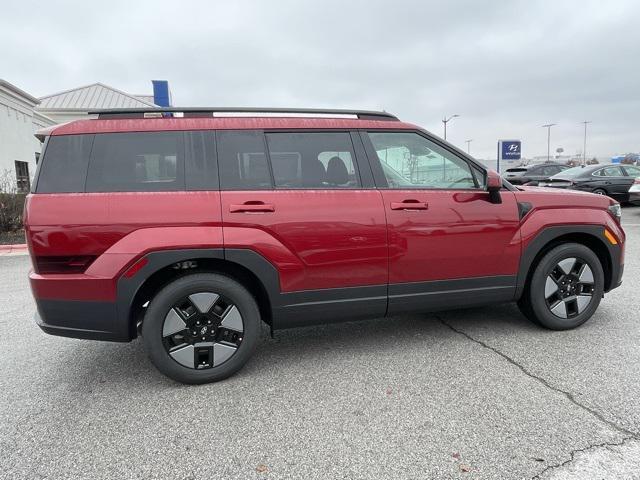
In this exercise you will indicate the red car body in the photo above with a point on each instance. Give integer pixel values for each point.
(309, 256)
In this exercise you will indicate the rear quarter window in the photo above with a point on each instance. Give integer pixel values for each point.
(63, 168)
(136, 162)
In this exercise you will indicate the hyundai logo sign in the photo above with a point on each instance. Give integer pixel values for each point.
(511, 149)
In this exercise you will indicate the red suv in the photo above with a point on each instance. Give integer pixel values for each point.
(191, 226)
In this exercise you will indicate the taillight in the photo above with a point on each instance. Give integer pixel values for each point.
(63, 264)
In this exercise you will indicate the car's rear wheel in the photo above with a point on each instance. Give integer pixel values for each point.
(201, 328)
(600, 191)
(565, 288)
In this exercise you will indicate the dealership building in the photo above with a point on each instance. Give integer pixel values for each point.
(22, 114)
(19, 149)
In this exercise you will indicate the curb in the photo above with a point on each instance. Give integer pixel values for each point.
(16, 249)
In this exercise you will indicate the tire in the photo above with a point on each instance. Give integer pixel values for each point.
(563, 294)
(206, 298)
(600, 191)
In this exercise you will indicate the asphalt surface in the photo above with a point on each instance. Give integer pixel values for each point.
(474, 394)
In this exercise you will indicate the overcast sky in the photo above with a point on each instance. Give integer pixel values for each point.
(505, 67)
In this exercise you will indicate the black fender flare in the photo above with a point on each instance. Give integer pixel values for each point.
(549, 234)
(128, 288)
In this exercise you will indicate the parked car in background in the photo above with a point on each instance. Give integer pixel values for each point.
(532, 174)
(634, 191)
(612, 180)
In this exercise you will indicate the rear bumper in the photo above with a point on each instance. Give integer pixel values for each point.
(87, 320)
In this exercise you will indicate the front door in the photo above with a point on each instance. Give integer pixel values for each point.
(448, 244)
(298, 200)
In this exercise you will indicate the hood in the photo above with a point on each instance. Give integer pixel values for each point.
(543, 197)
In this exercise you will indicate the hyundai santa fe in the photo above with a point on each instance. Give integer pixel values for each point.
(190, 227)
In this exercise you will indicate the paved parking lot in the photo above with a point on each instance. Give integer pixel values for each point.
(477, 393)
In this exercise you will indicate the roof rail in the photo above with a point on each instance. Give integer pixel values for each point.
(242, 111)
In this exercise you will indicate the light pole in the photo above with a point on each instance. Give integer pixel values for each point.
(446, 120)
(548, 127)
(584, 145)
(469, 145)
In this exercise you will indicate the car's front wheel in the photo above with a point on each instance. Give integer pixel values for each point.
(565, 288)
(201, 328)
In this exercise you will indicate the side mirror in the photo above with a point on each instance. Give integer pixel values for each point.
(494, 185)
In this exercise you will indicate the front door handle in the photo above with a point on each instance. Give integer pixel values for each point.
(409, 204)
(252, 207)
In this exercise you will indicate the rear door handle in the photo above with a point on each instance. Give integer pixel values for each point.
(252, 207)
(409, 205)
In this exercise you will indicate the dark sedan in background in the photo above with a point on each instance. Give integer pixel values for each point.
(612, 180)
(532, 174)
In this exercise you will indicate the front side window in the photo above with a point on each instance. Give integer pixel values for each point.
(409, 160)
(313, 160)
(136, 162)
(242, 161)
(632, 171)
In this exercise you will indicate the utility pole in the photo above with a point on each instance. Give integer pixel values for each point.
(446, 120)
(469, 145)
(548, 127)
(584, 145)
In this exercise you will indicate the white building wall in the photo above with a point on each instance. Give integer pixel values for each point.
(64, 116)
(18, 124)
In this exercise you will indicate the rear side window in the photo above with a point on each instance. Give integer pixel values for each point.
(242, 161)
(64, 166)
(609, 172)
(549, 170)
(312, 160)
(137, 162)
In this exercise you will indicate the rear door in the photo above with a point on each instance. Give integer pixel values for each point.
(448, 245)
(302, 201)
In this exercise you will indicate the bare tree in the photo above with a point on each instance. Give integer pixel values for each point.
(11, 203)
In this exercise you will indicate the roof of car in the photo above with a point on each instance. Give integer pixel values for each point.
(141, 120)
(239, 123)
